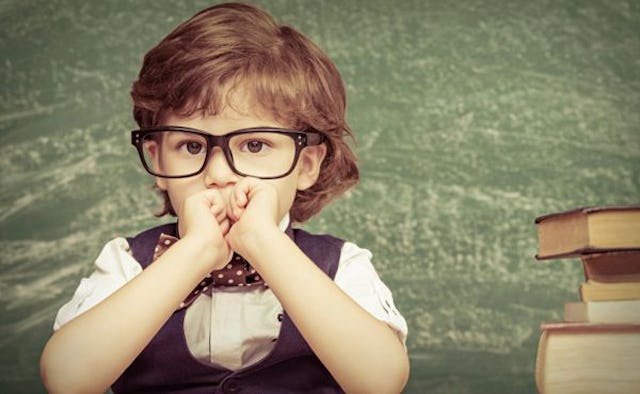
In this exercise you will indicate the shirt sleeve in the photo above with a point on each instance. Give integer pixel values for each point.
(357, 277)
(114, 267)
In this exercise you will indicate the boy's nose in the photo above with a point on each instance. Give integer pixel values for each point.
(218, 172)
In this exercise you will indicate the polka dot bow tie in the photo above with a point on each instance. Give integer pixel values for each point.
(237, 272)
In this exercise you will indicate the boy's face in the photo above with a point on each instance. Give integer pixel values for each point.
(217, 173)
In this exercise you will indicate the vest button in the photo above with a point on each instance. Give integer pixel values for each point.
(232, 386)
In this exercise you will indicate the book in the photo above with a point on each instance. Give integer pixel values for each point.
(588, 358)
(591, 290)
(588, 230)
(625, 311)
(622, 266)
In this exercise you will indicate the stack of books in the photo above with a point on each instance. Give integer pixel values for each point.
(596, 347)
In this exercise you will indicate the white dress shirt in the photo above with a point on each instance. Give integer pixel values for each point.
(234, 327)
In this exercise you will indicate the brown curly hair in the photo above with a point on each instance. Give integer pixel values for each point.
(234, 45)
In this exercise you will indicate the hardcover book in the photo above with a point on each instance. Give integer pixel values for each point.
(588, 358)
(607, 267)
(588, 230)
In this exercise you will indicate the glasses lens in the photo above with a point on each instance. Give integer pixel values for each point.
(174, 153)
(263, 154)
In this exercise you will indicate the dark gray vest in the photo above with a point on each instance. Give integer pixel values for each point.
(167, 366)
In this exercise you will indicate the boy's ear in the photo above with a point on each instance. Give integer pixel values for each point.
(309, 164)
(161, 183)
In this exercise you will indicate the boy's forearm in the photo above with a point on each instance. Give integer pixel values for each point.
(361, 352)
(89, 353)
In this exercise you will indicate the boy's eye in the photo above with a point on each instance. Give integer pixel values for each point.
(254, 146)
(194, 147)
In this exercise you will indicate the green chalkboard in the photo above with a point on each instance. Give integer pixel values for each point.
(472, 118)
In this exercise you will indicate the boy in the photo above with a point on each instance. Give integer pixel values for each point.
(242, 122)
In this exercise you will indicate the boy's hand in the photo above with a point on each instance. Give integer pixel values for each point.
(253, 209)
(203, 220)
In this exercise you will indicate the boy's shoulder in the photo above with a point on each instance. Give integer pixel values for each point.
(300, 235)
(321, 248)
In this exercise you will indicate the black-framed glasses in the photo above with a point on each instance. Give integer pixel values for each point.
(260, 152)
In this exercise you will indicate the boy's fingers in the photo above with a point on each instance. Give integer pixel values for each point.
(240, 194)
(238, 199)
(247, 186)
(224, 226)
(237, 212)
(219, 212)
(231, 203)
(214, 197)
(234, 211)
